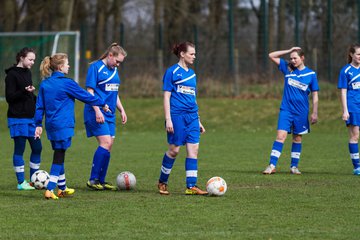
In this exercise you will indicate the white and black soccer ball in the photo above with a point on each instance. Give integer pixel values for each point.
(126, 180)
(216, 186)
(40, 179)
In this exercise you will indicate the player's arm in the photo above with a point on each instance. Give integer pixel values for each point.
(275, 56)
(169, 124)
(315, 102)
(121, 109)
(99, 116)
(343, 97)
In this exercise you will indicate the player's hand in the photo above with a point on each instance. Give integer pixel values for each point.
(345, 116)
(99, 116)
(169, 126)
(295, 48)
(123, 117)
(202, 129)
(38, 132)
(30, 88)
(313, 118)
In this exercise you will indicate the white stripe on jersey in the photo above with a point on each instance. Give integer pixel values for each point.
(347, 69)
(111, 77)
(354, 78)
(101, 68)
(177, 68)
(186, 79)
(300, 75)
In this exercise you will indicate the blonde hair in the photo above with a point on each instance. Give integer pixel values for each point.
(115, 49)
(51, 64)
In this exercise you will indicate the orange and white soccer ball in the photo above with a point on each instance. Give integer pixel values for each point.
(126, 180)
(216, 186)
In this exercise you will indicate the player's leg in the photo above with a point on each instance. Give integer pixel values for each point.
(56, 167)
(36, 147)
(18, 163)
(354, 148)
(295, 154)
(166, 167)
(283, 128)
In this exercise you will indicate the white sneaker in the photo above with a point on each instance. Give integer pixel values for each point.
(295, 170)
(270, 169)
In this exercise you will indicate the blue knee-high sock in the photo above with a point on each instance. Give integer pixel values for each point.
(35, 160)
(97, 162)
(167, 164)
(354, 154)
(191, 169)
(62, 180)
(104, 168)
(295, 154)
(54, 176)
(276, 152)
(18, 163)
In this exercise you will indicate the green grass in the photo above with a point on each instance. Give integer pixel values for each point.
(320, 204)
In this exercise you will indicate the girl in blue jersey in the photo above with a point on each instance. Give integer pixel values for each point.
(56, 100)
(299, 82)
(19, 92)
(103, 81)
(182, 121)
(349, 85)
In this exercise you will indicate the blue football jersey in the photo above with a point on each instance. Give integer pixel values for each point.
(182, 85)
(105, 82)
(349, 78)
(297, 86)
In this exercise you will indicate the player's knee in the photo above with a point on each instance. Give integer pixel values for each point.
(173, 152)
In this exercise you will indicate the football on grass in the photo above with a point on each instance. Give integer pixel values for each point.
(126, 181)
(40, 179)
(216, 186)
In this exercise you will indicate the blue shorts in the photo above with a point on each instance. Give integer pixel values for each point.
(354, 119)
(292, 123)
(186, 129)
(22, 130)
(100, 129)
(61, 144)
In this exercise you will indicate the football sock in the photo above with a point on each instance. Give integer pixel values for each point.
(97, 162)
(104, 168)
(62, 181)
(35, 155)
(54, 175)
(167, 164)
(18, 163)
(354, 154)
(18, 160)
(191, 172)
(295, 154)
(276, 152)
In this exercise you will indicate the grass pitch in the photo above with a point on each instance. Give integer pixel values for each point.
(320, 204)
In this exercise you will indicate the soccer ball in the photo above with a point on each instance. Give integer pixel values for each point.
(40, 178)
(216, 186)
(126, 181)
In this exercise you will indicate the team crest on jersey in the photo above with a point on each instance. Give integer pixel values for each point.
(186, 90)
(297, 84)
(111, 87)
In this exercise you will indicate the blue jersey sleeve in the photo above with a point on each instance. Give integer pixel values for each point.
(168, 84)
(75, 91)
(39, 112)
(283, 66)
(314, 85)
(342, 80)
(91, 76)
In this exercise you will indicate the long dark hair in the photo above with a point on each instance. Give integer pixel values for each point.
(352, 49)
(23, 53)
